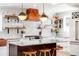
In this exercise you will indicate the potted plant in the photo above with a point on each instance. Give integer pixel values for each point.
(56, 31)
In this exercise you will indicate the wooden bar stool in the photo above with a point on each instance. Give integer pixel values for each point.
(30, 53)
(45, 51)
(57, 48)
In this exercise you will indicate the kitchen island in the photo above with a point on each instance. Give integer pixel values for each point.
(17, 47)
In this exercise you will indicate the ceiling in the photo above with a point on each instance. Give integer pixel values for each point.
(27, 5)
(49, 7)
(74, 4)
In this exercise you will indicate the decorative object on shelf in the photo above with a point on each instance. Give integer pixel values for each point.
(39, 27)
(24, 27)
(8, 30)
(56, 17)
(33, 14)
(43, 17)
(22, 15)
(17, 31)
(75, 15)
(11, 17)
(58, 22)
(22, 32)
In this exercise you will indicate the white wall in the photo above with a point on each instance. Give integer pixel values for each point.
(65, 30)
(30, 27)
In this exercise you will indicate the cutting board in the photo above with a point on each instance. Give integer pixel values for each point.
(3, 42)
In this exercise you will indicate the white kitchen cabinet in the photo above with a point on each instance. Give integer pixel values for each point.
(74, 49)
(4, 51)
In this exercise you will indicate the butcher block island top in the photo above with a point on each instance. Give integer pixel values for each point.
(16, 47)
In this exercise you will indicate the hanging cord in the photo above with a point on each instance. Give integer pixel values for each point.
(22, 7)
(43, 8)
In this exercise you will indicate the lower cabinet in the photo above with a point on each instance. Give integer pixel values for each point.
(4, 51)
(4, 48)
(74, 49)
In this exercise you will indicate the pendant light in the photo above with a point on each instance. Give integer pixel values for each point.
(22, 15)
(43, 17)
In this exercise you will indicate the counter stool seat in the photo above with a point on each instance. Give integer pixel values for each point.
(57, 48)
(30, 53)
(45, 51)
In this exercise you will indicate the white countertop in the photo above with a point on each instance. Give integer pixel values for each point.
(26, 42)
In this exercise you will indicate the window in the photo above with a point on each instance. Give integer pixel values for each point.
(75, 15)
